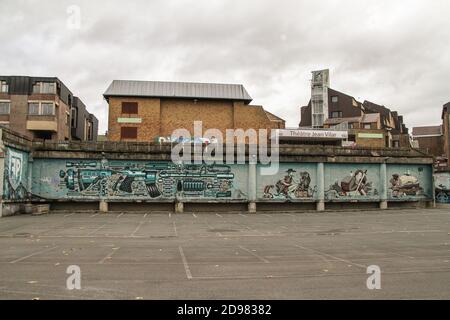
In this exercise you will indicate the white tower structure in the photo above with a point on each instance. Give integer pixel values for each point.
(319, 97)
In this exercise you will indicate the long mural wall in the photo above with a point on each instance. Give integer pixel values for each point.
(78, 179)
(145, 180)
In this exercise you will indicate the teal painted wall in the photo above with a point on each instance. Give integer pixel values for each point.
(442, 187)
(61, 179)
(15, 178)
(294, 181)
(345, 181)
(409, 182)
(139, 180)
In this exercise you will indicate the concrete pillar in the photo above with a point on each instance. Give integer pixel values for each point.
(252, 184)
(179, 207)
(320, 204)
(103, 206)
(252, 207)
(383, 186)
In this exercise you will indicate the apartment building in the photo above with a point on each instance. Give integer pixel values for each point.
(40, 108)
(83, 125)
(446, 132)
(368, 124)
(147, 110)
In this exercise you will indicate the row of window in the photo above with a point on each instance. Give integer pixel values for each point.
(38, 87)
(34, 108)
(44, 87)
(41, 108)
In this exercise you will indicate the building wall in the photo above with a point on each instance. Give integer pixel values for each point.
(433, 145)
(446, 132)
(148, 113)
(161, 117)
(19, 114)
(368, 138)
(178, 113)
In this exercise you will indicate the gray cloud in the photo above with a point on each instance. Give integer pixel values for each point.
(391, 52)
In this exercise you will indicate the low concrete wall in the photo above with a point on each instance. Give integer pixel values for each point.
(141, 177)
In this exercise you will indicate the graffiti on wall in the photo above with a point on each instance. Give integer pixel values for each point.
(402, 185)
(148, 180)
(409, 182)
(355, 184)
(442, 187)
(294, 185)
(15, 175)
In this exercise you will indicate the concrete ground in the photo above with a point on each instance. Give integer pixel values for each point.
(227, 256)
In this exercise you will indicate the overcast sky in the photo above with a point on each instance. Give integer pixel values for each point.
(395, 53)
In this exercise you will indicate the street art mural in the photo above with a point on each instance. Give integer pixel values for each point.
(358, 182)
(409, 182)
(15, 183)
(293, 182)
(138, 180)
(442, 187)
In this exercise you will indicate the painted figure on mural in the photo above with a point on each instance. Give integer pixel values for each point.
(291, 186)
(355, 184)
(405, 185)
(15, 176)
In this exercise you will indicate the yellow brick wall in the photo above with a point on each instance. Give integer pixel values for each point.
(160, 117)
(148, 111)
(177, 113)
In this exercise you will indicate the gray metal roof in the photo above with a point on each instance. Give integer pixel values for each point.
(129, 88)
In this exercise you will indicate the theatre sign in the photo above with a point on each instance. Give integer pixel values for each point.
(310, 134)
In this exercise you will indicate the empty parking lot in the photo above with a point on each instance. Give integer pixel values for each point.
(226, 255)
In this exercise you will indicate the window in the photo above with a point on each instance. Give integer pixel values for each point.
(336, 114)
(41, 108)
(33, 108)
(89, 130)
(129, 108)
(128, 133)
(396, 144)
(47, 109)
(4, 88)
(44, 87)
(351, 125)
(4, 107)
(334, 99)
(74, 118)
(367, 126)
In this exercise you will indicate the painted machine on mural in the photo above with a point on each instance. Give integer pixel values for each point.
(150, 180)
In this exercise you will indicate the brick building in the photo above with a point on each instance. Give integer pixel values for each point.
(368, 124)
(40, 108)
(446, 132)
(435, 140)
(145, 110)
(430, 139)
(84, 125)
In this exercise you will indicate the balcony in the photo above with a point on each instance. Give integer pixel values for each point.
(42, 123)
